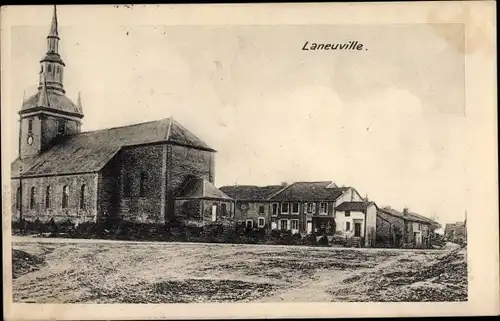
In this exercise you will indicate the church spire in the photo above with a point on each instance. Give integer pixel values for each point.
(79, 102)
(52, 65)
(53, 27)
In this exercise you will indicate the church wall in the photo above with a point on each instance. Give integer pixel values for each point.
(183, 162)
(73, 211)
(108, 199)
(136, 161)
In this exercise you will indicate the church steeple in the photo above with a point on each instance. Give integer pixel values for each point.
(52, 66)
(48, 114)
(53, 27)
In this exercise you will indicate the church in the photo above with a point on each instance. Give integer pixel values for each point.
(153, 172)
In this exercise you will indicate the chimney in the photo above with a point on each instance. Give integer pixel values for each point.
(405, 211)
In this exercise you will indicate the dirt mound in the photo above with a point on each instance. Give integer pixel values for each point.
(444, 279)
(23, 263)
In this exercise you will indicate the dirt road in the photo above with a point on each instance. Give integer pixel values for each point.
(69, 271)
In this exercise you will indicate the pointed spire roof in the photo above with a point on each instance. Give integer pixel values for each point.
(79, 102)
(53, 27)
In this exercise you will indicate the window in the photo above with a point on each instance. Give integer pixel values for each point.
(294, 224)
(61, 127)
(295, 208)
(126, 185)
(32, 197)
(274, 211)
(83, 193)
(249, 224)
(47, 197)
(347, 213)
(30, 125)
(347, 226)
(142, 186)
(323, 209)
(18, 198)
(50, 68)
(214, 212)
(65, 196)
(311, 207)
(283, 225)
(262, 222)
(261, 209)
(284, 208)
(223, 209)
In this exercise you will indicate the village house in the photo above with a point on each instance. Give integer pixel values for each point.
(137, 173)
(404, 229)
(357, 221)
(307, 207)
(252, 206)
(456, 232)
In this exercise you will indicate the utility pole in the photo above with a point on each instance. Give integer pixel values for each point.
(20, 200)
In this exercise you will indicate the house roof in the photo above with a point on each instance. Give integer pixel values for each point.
(353, 206)
(251, 192)
(391, 211)
(414, 217)
(201, 189)
(309, 191)
(419, 217)
(90, 151)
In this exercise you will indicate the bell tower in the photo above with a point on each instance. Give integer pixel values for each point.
(48, 115)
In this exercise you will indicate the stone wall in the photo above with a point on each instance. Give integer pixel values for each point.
(53, 209)
(141, 163)
(108, 201)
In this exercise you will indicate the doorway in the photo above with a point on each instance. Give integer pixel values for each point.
(357, 229)
(309, 227)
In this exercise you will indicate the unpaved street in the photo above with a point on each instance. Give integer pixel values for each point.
(74, 271)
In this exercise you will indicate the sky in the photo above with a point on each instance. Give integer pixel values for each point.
(389, 120)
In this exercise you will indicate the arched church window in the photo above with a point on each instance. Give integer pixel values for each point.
(47, 197)
(32, 197)
(126, 185)
(30, 125)
(83, 192)
(65, 196)
(18, 198)
(142, 186)
(49, 68)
